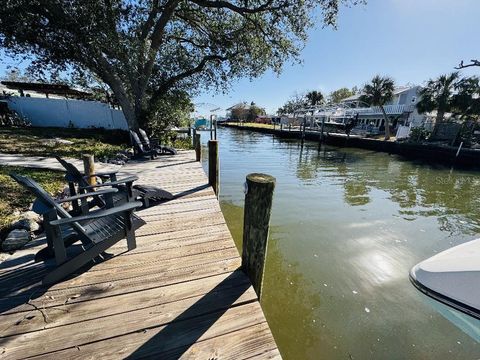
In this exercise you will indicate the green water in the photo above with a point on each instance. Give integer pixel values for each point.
(346, 227)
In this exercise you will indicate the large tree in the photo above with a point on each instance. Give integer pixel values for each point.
(437, 94)
(314, 97)
(377, 93)
(296, 102)
(142, 49)
(338, 95)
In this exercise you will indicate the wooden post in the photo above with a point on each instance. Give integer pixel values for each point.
(89, 168)
(323, 125)
(213, 168)
(258, 204)
(211, 127)
(194, 137)
(303, 130)
(198, 147)
(215, 130)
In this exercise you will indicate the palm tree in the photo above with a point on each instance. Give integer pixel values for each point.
(377, 93)
(314, 97)
(438, 94)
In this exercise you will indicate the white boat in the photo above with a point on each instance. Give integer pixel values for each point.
(452, 277)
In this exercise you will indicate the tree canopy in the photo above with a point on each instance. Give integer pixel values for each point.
(143, 49)
(338, 95)
(451, 93)
(377, 93)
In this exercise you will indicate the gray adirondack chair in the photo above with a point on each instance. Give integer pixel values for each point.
(77, 183)
(154, 144)
(125, 186)
(97, 230)
(140, 149)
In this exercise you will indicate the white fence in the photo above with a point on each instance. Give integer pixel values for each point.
(67, 113)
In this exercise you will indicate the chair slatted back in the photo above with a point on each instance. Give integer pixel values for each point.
(48, 201)
(144, 135)
(73, 174)
(138, 142)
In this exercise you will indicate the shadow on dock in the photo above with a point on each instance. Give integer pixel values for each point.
(179, 334)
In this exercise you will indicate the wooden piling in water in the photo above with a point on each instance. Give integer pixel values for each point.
(258, 204)
(213, 166)
(198, 147)
(89, 168)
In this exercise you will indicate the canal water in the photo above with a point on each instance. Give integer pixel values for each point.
(346, 227)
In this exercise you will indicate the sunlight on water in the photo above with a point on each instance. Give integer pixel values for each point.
(347, 225)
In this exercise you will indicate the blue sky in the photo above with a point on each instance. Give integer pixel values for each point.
(409, 40)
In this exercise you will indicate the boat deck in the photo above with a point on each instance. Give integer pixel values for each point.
(179, 294)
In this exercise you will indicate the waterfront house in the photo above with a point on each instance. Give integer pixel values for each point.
(401, 111)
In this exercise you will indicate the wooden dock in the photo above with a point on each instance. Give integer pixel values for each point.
(179, 294)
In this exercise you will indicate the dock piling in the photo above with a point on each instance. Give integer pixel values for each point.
(258, 204)
(213, 165)
(89, 168)
(198, 147)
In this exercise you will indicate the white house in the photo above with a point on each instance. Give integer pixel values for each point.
(401, 110)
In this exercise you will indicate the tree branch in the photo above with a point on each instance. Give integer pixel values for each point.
(239, 9)
(462, 66)
(159, 92)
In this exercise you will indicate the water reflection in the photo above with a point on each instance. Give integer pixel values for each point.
(347, 225)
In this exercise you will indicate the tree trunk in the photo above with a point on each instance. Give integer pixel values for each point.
(440, 116)
(387, 123)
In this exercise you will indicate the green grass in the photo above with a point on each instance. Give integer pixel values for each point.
(35, 141)
(14, 197)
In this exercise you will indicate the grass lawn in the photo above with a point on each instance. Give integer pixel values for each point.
(14, 197)
(251, 124)
(39, 141)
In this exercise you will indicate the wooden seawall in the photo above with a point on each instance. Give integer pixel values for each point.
(469, 158)
(179, 294)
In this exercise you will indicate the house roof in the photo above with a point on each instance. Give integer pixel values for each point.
(45, 88)
(241, 105)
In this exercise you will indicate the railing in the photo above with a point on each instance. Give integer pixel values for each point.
(375, 110)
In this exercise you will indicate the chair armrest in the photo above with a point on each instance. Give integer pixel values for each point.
(130, 206)
(105, 173)
(89, 194)
(128, 179)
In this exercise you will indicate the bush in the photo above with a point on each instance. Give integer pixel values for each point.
(419, 134)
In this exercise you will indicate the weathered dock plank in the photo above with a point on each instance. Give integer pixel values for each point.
(179, 294)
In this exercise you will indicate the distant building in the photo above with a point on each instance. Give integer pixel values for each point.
(401, 110)
(244, 112)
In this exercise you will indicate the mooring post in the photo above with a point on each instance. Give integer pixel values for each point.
(89, 168)
(211, 127)
(194, 132)
(303, 130)
(258, 205)
(213, 165)
(215, 130)
(198, 147)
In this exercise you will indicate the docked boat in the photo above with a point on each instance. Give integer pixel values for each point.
(452, 277)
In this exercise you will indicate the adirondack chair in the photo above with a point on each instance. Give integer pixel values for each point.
(97, 230)
(141, 150)
(154, 144)
(125, 186)
(77, 183)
